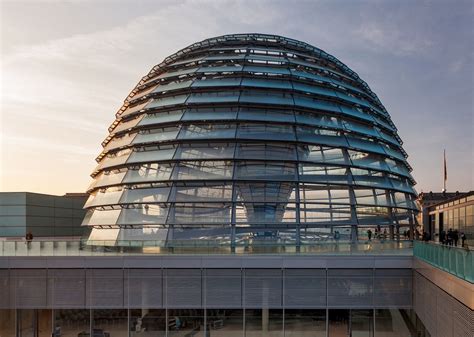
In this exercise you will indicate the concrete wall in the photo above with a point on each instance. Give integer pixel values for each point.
(44, 215)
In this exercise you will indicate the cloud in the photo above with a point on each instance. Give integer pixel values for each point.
(385, 38)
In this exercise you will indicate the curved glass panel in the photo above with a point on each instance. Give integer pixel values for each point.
(323, 174)
(151, 155)
(149, 172)
(162, 117)
(156, 135)
(265, 192)
(266, 115)
(205, 151)
(200, 213)
(145, 195)
(202, 170)
(265, 131)
(265, 151)
(322, 154)
(207, 131)
(265, 170)
(199, 193)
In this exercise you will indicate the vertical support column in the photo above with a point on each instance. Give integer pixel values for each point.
(373, 322)
(298, 218)
(170, 237)
(352, 198)
(91, 321)
(265, 319)
(391, 232)
(354, 234)
(298, 238)
(412, 228)
(232, 238)
(17, 322)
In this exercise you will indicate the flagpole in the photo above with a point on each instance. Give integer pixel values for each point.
(445, 173)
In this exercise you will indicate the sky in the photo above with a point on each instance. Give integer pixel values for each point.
(67, 66)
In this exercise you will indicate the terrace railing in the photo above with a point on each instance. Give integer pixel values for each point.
(458, 261)
(114, 248)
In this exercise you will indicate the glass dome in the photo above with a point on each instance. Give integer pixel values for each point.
(250, 137)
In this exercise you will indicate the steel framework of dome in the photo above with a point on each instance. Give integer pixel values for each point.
(250, 136)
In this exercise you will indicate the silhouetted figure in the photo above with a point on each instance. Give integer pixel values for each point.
(455, 237)
(442, 237)
(463, 239)
(29, 238)
(369, 234)
(449, 237)
(426, 236)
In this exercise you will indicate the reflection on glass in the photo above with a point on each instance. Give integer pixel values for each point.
(263, 323)
(147, 322)
(186, 322)
(339, 323)
(205, 151)
(144, 214)
(225, 322)
(162, 117)
(266, 151)
(163, 153)
(149, 172)
(194, 131)
(208, 170)
(323, 193)
(265, 213)
(71, 322)
(200, 213)
(7, 322)
(156, 135)
(211, 192)
(305, 322)
(391, 323)
(324, 213)
(266, 131)
(362, 323)
(265, 191)
(265, 170)
(111, 322)
(321, 154)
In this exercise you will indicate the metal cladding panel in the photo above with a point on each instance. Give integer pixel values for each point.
(442, 314)
(393, 288)
(304, 288)
(263, 288)
(29, 288)
(104, 288)
(183, 288)
(463, 321)
(5, 289)
(144, 288)
(66, 288)
(348, 288)
(223, 288)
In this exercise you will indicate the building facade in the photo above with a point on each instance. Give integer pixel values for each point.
(456, 213)
(41, 214)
